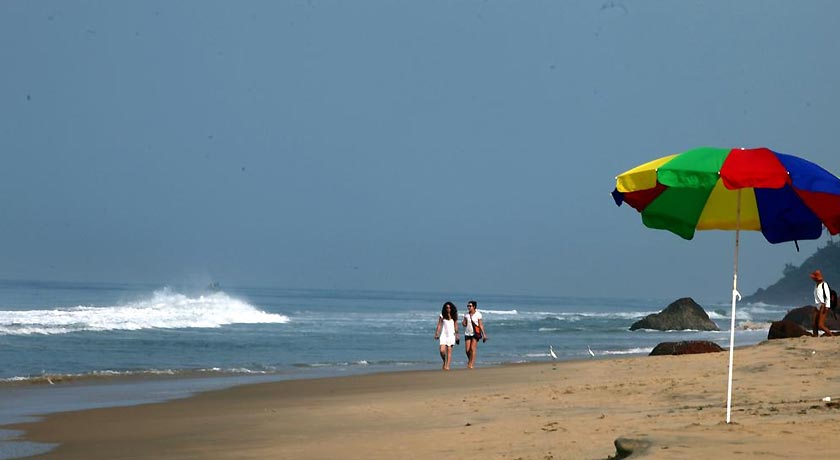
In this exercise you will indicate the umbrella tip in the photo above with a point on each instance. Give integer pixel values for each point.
(618, 197)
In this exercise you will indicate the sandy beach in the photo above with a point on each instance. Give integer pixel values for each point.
(669, 407)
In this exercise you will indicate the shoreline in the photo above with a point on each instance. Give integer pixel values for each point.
(32, 400)
(674, 405)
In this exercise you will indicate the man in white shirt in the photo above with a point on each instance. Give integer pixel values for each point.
(823, 301)
(473, 332)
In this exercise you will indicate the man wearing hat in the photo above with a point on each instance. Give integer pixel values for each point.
(823, 301)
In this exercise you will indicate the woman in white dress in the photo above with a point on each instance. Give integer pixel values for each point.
(447, 332)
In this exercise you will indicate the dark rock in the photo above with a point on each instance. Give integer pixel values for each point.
(785, 329)
(832, 319)
(804, 316)
(626, 447)
(689, 347)
(680, 315)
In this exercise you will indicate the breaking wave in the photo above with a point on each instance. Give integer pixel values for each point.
(165, 309)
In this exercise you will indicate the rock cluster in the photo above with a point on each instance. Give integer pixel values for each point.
(799, 322)
(682, 314)
(804, 316)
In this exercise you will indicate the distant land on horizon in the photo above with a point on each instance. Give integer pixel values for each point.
(794, 288)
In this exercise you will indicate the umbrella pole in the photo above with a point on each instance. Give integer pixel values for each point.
(735, 295)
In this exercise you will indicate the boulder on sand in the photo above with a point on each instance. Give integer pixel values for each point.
(689, 347)
(785, 329)
(680, 315)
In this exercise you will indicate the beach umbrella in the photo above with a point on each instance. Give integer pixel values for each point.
(783, 196)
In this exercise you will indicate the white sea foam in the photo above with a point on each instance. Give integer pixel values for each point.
(763, 309)
(500, 312)
(741, 314)
(630, 351)
(770, 306)
(537, 355)
(41, 378)
(165, 309)
(753, 326)
(579, 316)
(616, 314)
(583, 315)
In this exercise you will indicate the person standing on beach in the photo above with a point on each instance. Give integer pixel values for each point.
(447, 332)
(823, 301)
(473, 332)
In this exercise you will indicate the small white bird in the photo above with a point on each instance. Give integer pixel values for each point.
(551, 352)
(591, 353)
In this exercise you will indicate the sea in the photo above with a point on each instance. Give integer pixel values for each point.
(70, 346)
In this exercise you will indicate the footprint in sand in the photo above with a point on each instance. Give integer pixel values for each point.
(553, 426)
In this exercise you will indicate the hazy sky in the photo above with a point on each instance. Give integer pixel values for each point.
(466, 146)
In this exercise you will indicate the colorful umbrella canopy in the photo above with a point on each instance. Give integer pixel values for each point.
(784, 197)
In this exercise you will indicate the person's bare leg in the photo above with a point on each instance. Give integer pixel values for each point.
(469, 346)
(448, 361)
(443, 355)
(821, 322)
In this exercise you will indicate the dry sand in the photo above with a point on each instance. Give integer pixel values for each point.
(674, 405)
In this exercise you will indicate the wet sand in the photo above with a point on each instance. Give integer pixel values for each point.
(664, 407)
